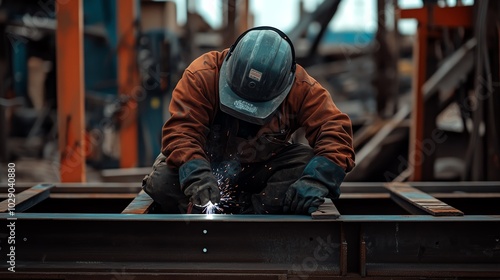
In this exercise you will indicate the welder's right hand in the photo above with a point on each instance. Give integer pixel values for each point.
(198, 183)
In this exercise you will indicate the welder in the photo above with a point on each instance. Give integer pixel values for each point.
(228, 141)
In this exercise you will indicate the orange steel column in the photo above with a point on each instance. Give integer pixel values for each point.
(128, 81)
(70, 91)
(427, 17)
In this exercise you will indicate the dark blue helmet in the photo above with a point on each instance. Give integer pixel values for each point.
(257, 74)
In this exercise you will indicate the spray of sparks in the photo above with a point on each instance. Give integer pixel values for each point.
(224, 175)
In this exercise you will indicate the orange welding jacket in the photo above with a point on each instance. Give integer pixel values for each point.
(195, 103)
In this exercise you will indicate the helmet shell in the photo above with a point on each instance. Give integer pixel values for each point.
(256, 75)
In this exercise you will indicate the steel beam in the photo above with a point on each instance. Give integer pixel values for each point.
(377, 244)
(28, 198)
(430, 249)
(411, 198)
(141, 204)
(70, 91)
(415, 154)
(428, 17)
(435, 16)
(295, 246)
(453, 71)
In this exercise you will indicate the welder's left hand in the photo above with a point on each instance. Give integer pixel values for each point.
(321, 178)
(198, 183)
(304, 197)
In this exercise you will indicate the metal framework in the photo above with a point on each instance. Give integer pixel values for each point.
(429, 18)
(374, 231)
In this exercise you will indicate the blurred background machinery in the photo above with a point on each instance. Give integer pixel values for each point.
(29, 82)
(423, 104)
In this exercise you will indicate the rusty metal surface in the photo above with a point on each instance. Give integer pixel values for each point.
(141, 204)
(326, 211)
(374, 238)
(415, 154)
(434, 15)
(27, 198)
(70, 91)
(180, 243)
(408, 196)
(292, 245)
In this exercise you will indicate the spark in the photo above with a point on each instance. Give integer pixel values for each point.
(225, 174)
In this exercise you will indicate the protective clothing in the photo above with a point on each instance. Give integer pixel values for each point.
(195, 104)
(321, 178)
(257, 74)
(198, 182)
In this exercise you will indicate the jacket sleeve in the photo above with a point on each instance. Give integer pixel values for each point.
(328, 130)
(191, 109)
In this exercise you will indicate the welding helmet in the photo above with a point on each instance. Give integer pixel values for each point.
(257, 74)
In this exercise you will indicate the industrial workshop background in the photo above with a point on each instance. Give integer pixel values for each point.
(84, 90)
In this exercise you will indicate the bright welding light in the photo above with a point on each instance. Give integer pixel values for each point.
(210, 208)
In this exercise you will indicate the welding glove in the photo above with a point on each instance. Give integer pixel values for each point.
(198, 183)
(321, 178)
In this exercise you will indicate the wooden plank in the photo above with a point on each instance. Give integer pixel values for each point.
(327, 210)
(409, 197)
(141, 204)
(28, 198)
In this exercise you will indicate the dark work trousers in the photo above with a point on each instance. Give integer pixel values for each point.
(246, 188)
